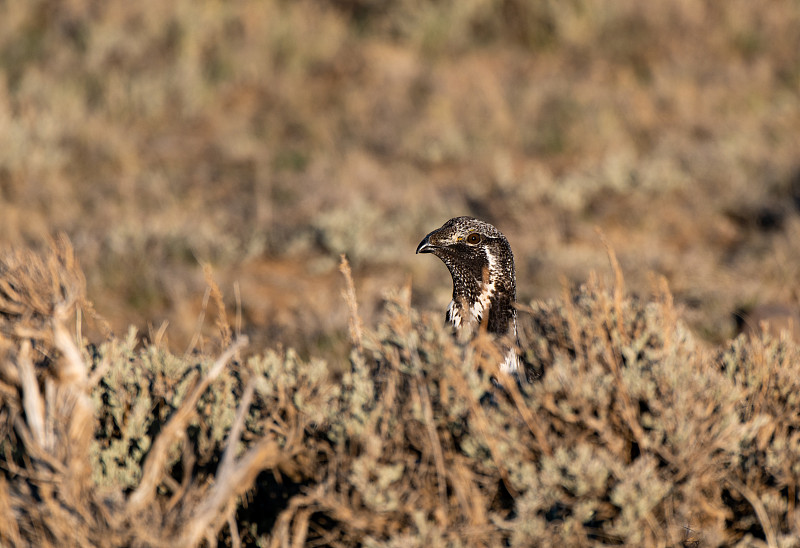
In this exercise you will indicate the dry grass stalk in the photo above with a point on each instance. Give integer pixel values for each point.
(619, 283)
(222, 324)
(201, 318)
(349, 294)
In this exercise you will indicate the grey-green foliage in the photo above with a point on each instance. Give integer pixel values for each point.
(635, 434)
(286, 383)
(127, 406)
(644, 436)
(141, 389)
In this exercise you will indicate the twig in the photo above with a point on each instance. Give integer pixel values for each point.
(236, 431)
(572, 323)
(668, 307)
(758, 507)
(32, 401)
(158, 339)
(73, 368)
(237, 293)
(99, 371)
(236, 541)
(154, 466)
(268, 453)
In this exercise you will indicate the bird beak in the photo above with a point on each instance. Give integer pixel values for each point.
(425, 245)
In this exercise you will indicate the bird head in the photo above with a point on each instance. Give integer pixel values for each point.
(481, 263)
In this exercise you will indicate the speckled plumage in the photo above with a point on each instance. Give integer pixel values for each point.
(481, 263)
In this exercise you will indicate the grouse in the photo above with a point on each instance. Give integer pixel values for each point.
(481, 263)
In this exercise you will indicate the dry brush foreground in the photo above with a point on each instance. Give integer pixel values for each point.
(266, 137)
(636, 435)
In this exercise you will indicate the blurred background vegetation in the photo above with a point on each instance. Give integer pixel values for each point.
(267, 137)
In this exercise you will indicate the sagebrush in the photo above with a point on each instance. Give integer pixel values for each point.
(635, 435)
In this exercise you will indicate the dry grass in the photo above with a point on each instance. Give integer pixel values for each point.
(267, 138)
(635, 435)
(263, 139)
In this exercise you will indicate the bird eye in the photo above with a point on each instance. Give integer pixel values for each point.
(473, 238)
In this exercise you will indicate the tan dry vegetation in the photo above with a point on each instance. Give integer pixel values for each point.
(265, 139)
(635, 434)
(252, 134)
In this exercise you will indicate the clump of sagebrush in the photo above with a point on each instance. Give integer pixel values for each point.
(634, 435)
(125, 445)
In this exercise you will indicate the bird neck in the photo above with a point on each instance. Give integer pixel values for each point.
(487, 301)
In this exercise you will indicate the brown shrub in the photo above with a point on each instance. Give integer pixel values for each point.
(635, 434)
